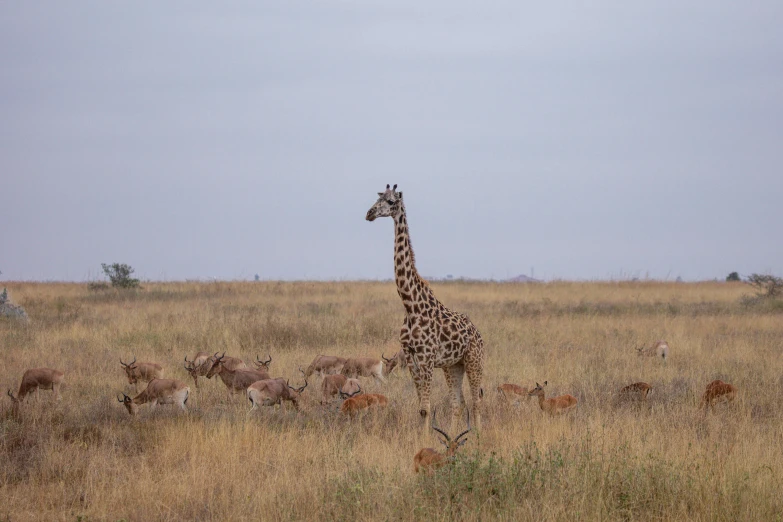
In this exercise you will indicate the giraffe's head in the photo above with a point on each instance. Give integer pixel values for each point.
(388, 204)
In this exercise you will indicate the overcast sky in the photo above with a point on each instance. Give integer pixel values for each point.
(199, 139)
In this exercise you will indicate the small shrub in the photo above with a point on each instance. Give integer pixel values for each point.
(120, 275)
(766, 286)
(97, 286)
(734, 276)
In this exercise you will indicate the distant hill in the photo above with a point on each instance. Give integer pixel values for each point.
(522, 278)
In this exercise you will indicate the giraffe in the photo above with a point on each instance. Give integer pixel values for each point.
(432, 335)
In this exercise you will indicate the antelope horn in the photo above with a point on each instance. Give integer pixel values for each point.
(303, 373)
(269, 360)
(383, 356)
(132, 362)
(300, 390)
(464, 432)
(119, 399)
(122, 363)
(438, 429)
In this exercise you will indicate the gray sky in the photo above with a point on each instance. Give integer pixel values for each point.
(196, 139)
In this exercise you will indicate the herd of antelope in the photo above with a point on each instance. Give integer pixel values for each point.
(339, 379)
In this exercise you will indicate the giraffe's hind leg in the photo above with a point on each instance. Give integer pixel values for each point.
(454, 375)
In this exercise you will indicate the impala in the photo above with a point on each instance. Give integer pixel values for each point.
(143, 372)
(637, 391)
(334, 384)
(199, 366)
(659, 349)
(158, 391)
(717, 391)
(354, 403)
(429, 459)
(555, 405)
(37, 379)
(512, 392)
(363, 367)
(398, 359)
(269, 392)
(236, 381)
(325, 365)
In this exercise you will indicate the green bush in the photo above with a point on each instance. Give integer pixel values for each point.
(120, 275)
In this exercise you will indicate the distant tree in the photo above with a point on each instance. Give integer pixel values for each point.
(767, 286)
(120, 275)
(734, 276)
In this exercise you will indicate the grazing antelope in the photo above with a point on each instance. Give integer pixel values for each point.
(263, 365)
(398, 359)
(363, 367)
(236, 381)
(143, 371)
(232, 363)
(512, 392)
(269, 392)
(334, 384)
(199, 366)
(158, 391)
(659, 349)
(37, 379)
(429, 459)
(717, 391)
(325, 365)
(555, 405)
(354, 403)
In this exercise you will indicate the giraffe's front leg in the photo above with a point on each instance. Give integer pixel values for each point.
(422, 379)
(454, 375)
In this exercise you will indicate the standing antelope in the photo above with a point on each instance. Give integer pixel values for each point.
(363, 367)
(143, 371)
(158, 391)
(429, 459)
(637, 391)
(325, 365)
(555, 405)
(354, 403)
(512, 392)
(659, 349)
(334, 384)
(199, 366)
(717, 391)
(263, 365)
(398, 359)
(37, 379)
(238, 380)
(269, 392)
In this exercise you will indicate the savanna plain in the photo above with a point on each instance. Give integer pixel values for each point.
(85, 458)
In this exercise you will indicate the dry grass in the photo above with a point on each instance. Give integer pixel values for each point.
(86, 457)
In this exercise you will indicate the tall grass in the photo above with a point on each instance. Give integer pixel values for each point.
(85, 457)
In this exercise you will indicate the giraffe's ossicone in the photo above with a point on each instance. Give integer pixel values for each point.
(432, 335)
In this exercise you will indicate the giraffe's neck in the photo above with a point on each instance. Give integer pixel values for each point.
(411, 287)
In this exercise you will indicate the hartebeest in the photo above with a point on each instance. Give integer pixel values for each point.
(555, 405)
(325, 365)
(717, 391)
(637, 391)
(354, 403)
(269, 392)
(512, 393)
(429, 459)
(143, 371)
(158, 391)
(38, 379)
(363, 367)
(199, 366)
(334, 384)
(658, 349)
(236, 381)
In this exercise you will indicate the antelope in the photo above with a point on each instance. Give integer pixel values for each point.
(717, 391)
(334, 384)
(158, 391)
(143, 372)
(363, 367)
(429, 459)
(263, 365)
(637, 391)
(37, 379)
(235, 380)
(555, 405)
(269, 392)
(353, 403)
(398, 359)
(325, 365)
(659, 349)
(199, 366)
(511, 392)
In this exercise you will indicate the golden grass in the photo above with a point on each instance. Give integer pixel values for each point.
(86, 457)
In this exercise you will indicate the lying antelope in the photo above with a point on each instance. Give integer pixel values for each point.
(637, 391)
(158, 391)
(199, 366)
(354, 403)
(38, 379)
(263, 365)
(325, 365)
(555, 405)
(429, 459)
(238, 380)
(512, 392)
(659, 349)
(334, 384)
(398, 359)
(143, 371)
(717, 391)
(363, 367)
(269, 392)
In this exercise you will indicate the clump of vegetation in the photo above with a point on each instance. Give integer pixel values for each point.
(120, 275)
(733, 277)
(766, 286)
(97, 286)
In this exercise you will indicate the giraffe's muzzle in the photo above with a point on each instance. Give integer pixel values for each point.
(370, 215)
